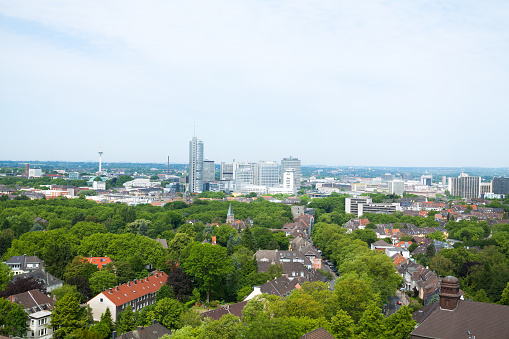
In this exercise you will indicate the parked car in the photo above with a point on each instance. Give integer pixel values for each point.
(399, 302)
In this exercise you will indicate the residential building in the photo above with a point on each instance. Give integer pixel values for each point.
(195, 166)
(396, 187)
(153, 331)
(501, 186)
(452, 317)
(267, 174)
(38, 306)
(465, 186)
(295, 164)
(20, 264)
(209, 171)
(99, 261)
(137, 294)
(216, 314)
(48, 281)
(361, 205)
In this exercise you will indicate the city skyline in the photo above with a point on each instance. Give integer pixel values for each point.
(336, 83)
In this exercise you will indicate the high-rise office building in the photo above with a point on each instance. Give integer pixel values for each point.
(426, 179)
(465, 186)
(396, 187)
(267, 174)
(209, 171)
(227, 170)
(195, 165)
(293, 163)
(500, 185)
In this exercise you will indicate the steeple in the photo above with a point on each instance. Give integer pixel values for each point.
(229, 216)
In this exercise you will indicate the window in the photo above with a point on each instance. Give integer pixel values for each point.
(101, 299)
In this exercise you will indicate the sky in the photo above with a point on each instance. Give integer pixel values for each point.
(346, 83)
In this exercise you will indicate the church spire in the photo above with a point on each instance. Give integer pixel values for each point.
(229, 216)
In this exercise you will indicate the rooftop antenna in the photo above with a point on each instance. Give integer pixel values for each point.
(168, 171)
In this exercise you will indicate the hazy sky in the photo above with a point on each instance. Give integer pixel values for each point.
(382, 83)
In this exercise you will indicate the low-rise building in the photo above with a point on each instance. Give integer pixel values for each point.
(38, 306)
(137, 294)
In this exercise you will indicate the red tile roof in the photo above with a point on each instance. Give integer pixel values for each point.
(135, 289)
(99, 261)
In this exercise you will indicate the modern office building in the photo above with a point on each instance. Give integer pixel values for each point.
(195, 165)
(361, 205)
(74, 176)
(289, 181)
(244, 176)
(485, 187)
(396, 187)
(387, 177)
(500, 185)
(209, 171)
(267, 174)
(227, 170)
(293, 163)
(465, 186)
(426, 179)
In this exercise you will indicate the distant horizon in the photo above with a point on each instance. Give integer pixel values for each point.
(37, 162)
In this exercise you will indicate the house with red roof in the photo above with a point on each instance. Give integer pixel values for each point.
(99, 261)
(136, 293)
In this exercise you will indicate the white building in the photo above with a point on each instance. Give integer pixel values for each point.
(34, 173)
(137, 294)
(465, 186)
(295, 164)
(267, 174)
(138, 183)
(195, 165)
(99, 185)
(396, 187)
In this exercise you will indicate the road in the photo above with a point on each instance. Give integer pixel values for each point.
(393, 302)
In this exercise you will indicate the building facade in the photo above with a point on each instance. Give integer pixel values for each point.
(209, 171)
(465, 186)
(396, 187)
(295, 164)
(137, 294)
(267, 174)
(500, 186)
(195, 166)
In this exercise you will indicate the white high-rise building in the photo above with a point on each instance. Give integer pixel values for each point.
(195, 165)
(396, 187)
(465, 186)
(267, 174)
(289, 180)
(293, 163)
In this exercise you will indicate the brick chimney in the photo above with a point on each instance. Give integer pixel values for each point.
(449, 293)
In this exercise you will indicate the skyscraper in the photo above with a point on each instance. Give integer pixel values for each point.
(209, 171)
(465, 186)
(501, 185)
(294, 163)
(195, 165)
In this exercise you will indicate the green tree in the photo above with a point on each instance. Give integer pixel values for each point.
(342, 325)
(207, 263)
(165, 291)
(505, 296)
(13, 319)
(102, 280)
(227, 327)
(399, 325)
(168, 312)
(105, 326)
(353, 295)
(126, 321)
(79, 267)
(371, 324)
(68, 316)
(5, 275)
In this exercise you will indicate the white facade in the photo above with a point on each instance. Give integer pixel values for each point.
(289, 180)
(34, 172)
(267, 174)
(195, 165)
(145, 183)
(39, 325)
(295, 164)
(465, 186)
(396, 187)
(99, 185)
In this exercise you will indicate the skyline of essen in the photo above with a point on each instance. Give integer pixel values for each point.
(337, 83)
